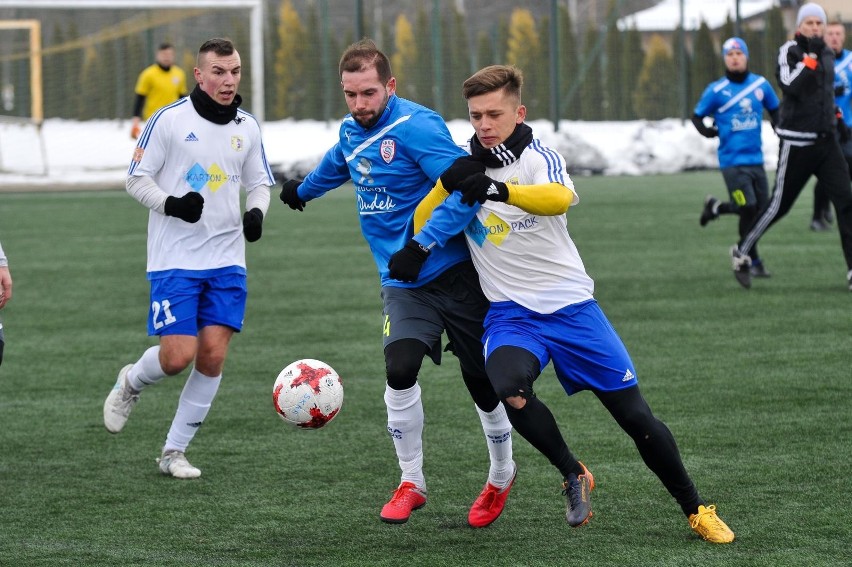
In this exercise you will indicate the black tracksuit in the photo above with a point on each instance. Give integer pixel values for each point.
(808, 143)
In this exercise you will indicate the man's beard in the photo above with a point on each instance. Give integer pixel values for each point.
(374, 118)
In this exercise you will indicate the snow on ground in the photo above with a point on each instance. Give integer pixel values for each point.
(74, 154)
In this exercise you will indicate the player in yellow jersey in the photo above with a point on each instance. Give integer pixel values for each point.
(158, 85)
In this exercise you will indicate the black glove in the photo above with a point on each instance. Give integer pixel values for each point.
(704, 130)
(405, 263)
(253, 224)
(187, 208)
(290, 194)
(480, 188)
(815, 45)
(461, 169)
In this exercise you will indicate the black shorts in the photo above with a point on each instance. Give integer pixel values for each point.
(453, 302)
(747, 185)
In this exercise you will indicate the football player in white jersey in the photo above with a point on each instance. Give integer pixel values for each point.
(188, 167)
(542, 307)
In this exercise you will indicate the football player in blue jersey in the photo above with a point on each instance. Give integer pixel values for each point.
(394, 151)
(736, 103)
(835, 36)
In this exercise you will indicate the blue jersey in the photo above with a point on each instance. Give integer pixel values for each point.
(843, 79)
(393, 165)
(738, 111)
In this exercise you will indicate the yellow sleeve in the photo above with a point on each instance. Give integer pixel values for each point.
(547, 199)
(433, 198)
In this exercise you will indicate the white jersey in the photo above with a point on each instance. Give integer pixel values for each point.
(528, 258)
(184, 152)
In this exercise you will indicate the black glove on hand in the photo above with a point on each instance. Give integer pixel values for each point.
(405, 264)
(703, 129)
(480, 188)
(815, 45)
(187, 208)
(253, 224)
(461, 169)
(290, 194)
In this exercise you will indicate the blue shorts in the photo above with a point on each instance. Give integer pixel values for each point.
(586, 351)
(182, 305)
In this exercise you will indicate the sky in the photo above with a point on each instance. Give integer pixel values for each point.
(666, 14)
(96, 154)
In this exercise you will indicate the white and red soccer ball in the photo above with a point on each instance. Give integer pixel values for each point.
(308, 393)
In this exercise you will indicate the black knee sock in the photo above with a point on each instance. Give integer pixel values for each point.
(537, 425)
(655, 443)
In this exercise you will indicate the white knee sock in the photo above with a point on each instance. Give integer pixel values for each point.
(147, 370)
(195, 401)
(405, 425)
(498, 436)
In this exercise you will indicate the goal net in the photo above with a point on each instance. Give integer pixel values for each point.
(80, 59)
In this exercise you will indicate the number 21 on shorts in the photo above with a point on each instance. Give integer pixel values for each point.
(167, 318)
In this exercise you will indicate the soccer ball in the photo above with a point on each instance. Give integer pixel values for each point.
(308, 393)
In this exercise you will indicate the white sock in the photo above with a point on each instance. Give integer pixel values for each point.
(405, 425)
(498, 436)
(147, 370)
(195, 401)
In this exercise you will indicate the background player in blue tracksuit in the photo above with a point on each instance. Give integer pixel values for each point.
(394, 151)
(736, 103)
(835, 36)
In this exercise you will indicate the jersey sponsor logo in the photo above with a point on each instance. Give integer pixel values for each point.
(746, 118)
(493, 229)
(137, 155)
(379, 203)
(213, 177)
(237, 143)
(364, 167)
(496, 230)
(191, 137)
(387, 150)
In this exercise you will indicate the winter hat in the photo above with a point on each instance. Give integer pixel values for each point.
(808, 10)
(734, 43)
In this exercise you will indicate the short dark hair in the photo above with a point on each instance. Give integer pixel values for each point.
(218, 45)
(165, 45)
(493, 78)
(362, 55)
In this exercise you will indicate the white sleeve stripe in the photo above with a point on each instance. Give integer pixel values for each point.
(786, 75)
(366, 143)
(742, 95)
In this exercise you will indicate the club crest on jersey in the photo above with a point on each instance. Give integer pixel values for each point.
(137, 155)
(237, 143)
(388, 150)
